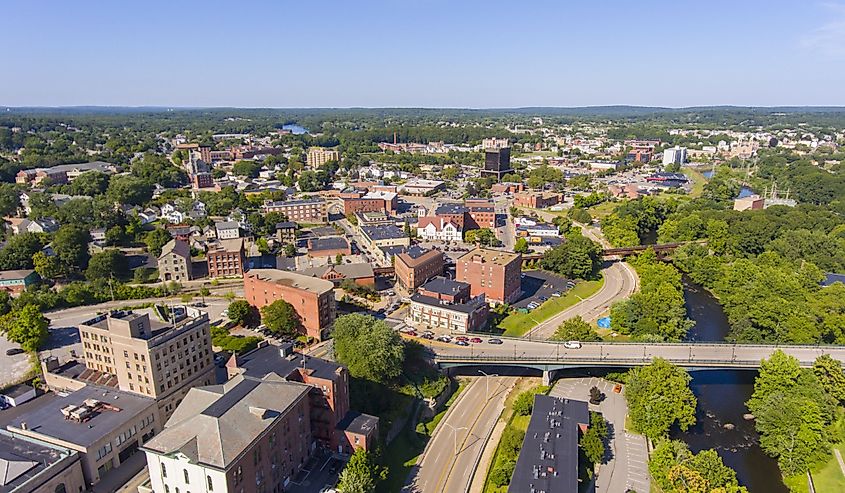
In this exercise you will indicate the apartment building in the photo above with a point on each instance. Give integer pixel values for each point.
(675, 155)
(318, 156)
(226, 258)
(150, 358)
(286, 232)
(312, 298)
(174, 263)
(301, 211)
(245, 435)
(536, 199)
(494, 273)
(416, 266)
(444, 304)
(227, 230)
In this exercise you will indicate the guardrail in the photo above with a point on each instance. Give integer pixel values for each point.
(601, 360)
(654, 344)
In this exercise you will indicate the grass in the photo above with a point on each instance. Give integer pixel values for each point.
(517, 324)
(600, 211)
(826, 477)
(698, 182)
(429, 426)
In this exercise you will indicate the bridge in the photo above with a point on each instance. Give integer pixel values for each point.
(659, 249)
(549, 357)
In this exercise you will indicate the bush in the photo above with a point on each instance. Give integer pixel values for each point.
(524, 402)
(501, 475)
(511, 442)
(221, 338)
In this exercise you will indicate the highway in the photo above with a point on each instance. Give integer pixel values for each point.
(453, 452)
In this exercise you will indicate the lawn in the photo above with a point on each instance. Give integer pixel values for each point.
(602, 210)
(429, 426)
(517, 324)
(698, 182)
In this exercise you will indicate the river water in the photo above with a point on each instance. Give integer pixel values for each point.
(721, 400)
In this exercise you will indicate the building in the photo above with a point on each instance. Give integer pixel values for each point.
(416, 266)
(17, 394)
(497, 163)
(548, 460)
(418, 187)
(312, 298)
(537, 199)
(539, 230)
(675, 155)
(62, 173)
(227, 230)
(375, 237)
(128, 350)
(202, 180)
(482, 214)
(286, 232)
(640, 155)
(507, 187)
(174, 263)
(445, 304)
(434, 228)
(752, 202)
(328, 246)
(360, 273)
(300, 211)
(494, 143)
(318, 156)
(245, 435)
(103, 426)
(226, 258)
(375, 201)
(374, 219)
(15, 282)
(493, 273)
(28, 465)
(334, 426)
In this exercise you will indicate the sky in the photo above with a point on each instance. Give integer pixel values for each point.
(464, 54)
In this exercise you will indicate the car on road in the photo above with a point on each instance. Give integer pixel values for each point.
(572, 345)
(462, 338)
(412, 333)
(462, 343)
(476, 340)
(199, 305)
(494, 340)
(444, 339)
(427, 336)
(13, 351)
(428, 333)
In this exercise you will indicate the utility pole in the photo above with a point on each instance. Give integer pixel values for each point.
(455, 430)
(487, 384)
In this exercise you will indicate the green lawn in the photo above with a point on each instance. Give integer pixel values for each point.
(517, 324)
(698, 182)
(827, 477)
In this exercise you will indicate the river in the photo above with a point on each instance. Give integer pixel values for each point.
(721, 400)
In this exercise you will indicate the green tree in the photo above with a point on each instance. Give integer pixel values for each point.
(107, 264)
(521, 245)
(71, 247)
(155, 240)
(829, 373)
(26, 326)
(575, 329)
(19, 250)
(524, 402)
(368, 347)
(126, 189)
(290, 250)
(9, 199)
(658, 396)
(239, 312)
(155, 168)
(576, 258)
(592, 442)
(361, 474)
(281, 318)
(47, 266)
(677, 470)
(250, 168)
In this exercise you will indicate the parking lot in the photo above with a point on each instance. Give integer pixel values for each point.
(537, 285)
(321, 471)
(11, 367)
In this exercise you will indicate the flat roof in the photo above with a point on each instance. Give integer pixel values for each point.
(283, 362)
(383, 232)
(498, 257)
(46, 417)
(444, 285)
(548, 460)
(468, 307)
(355, 422)
(293, 279)
(24, 458)
(327, 243)
(450, 208)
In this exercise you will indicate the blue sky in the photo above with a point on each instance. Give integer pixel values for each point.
(422, 53)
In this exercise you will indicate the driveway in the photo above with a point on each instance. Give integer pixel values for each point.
(12, 368)
(626, 464)
(536, 283)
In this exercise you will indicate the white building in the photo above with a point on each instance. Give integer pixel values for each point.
(438, 229)
(675, 155)
(227, 230)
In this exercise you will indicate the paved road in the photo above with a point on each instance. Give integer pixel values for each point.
(445, 468)
(620, 282)
(626, 463)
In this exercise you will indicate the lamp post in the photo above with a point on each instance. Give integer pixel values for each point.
(487, 383)
(455, 430)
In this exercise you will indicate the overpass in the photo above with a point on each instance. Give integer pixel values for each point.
(549, 357)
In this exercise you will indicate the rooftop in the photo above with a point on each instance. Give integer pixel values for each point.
(327, 243)
(282, 361)
(359, 423)
(286, 225)
(15, 275)
(416, 255)
(46, 418)
(350, 271)
(497, 257)
(468, 307)
(444, 285)
(292, 279)
(379, 194)
(22, 459)
(548, 460)
(450, 208)
(179, 247)
(226, 225)
(383, 232)
(214, 425)
(230, 245)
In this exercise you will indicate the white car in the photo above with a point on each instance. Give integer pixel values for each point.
(572, 345)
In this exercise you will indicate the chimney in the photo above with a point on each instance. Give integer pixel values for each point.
(394, 138)
(24, 426)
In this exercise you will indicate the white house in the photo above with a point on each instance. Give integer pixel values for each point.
(436, 228)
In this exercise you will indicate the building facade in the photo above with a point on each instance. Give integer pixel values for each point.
(15, 282)
(301, 211)
(226, 258)
(494, 273)
(174, 263)
(318, 156)
(448, 305)
(416, 266)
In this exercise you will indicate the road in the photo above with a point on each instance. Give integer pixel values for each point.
(626, 464)
(457, 444)
(620, 282)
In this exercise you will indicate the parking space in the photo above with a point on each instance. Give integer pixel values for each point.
(539, 286)
(319, 474)
(12, 367)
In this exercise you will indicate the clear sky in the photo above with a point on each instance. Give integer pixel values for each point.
(454, 53)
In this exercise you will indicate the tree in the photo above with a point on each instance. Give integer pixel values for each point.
(126, 189)
(155, 240)
(155, 168)
(521, 246)
(829, 373)
(290, 250)
(19, 250)
(71, 247)
(26, 326)
(9, 199)
(239, 312)
(592, 442)
(338, 259)
(250, 168)
(524, 402)
(677, 470)
(361, 474)
(368, 347)
(107, 264)
(281, 318)
(658, 396)
(575, 329)
(577, 258)
(483, 236)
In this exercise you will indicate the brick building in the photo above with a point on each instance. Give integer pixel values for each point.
(536, 199)
(312, 298)
(226, 258)
(329, 246)
(416, 266)
(301, 211)
(494, 273)
(445, 304)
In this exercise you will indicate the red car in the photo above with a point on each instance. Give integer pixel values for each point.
(412, 333)
(462, 338)
(475, 340)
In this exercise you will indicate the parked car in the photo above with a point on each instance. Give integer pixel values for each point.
(494, 340)
(476, 340)
(412, 333)
(199, 305)
(543, 298)
(572, 345)
(13, 351)
(428, 333)
(427, 336)
(556, 294)
(462, 343)
(462, 338)
(444, 339)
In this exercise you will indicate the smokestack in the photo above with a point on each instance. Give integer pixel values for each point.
(394, 138)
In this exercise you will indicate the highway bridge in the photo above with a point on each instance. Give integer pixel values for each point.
(552, 356)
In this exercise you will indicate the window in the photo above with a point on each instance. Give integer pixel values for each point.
(60, 488)
(210, 484)
(163, 470)
(187, 479)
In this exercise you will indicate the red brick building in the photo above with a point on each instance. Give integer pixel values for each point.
(416, 266)
(311, 297)
(226, 258)
(537, 200)
(328, 246)
(493, 273)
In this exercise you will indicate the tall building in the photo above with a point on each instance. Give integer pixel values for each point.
(163, 361)
(497, 162)
(494, 143)
(300, 211)
(318, 156)
(416, 266)
(675, 155)
(494, 273)
(312, 298)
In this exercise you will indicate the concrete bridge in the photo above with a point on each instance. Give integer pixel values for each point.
(549, 357)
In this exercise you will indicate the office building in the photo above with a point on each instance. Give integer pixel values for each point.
(494, 143)
(493, 273)
(318, 156)
(374, 201)
(416, 266)
(300, 211)
(445, 304)
(312, 298)
(536, 199)
(226, 258)
(497, 163)
(28, 465)
(174, 263)
(675, 155)
(375, 237)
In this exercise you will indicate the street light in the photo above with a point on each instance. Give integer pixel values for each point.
(487, 383)
(455, 430)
